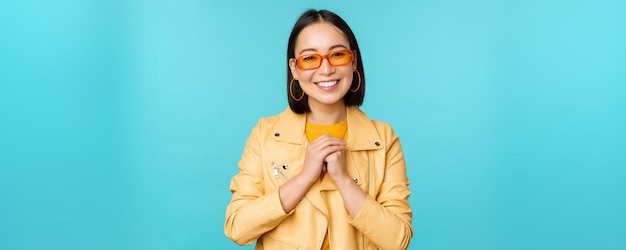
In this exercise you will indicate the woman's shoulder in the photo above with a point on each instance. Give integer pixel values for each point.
(265, 120)
(356, 111)
(273, 119)
(286, 118)
(384, 129)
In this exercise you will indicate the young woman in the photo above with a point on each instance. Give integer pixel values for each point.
(321, 175)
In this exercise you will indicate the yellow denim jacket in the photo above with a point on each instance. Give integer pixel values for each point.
(275, 152)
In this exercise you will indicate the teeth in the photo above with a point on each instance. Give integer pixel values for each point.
(327, 84)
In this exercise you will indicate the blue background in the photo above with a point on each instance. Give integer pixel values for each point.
(122, 121)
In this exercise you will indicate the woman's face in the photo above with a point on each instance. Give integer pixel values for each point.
(326, 85)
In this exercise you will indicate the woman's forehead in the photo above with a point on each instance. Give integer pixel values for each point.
(320, 36)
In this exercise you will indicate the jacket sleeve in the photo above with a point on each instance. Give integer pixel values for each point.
(252, 211)
(386, 219)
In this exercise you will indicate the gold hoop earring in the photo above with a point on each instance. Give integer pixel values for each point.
(359, 85)
(291, 91)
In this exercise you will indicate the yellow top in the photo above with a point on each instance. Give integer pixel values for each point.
(338, 130)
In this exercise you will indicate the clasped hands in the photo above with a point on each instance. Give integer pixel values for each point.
(325, 154)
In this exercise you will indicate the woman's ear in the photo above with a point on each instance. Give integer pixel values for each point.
(292, 67)
(354, 60)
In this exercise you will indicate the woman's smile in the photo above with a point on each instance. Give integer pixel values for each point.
(327, 85)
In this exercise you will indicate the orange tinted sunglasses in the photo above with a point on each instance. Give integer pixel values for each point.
(314, 61)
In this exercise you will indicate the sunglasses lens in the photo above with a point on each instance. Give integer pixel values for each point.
(340, 58)
(309, 61)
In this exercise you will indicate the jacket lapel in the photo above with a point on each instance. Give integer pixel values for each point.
(290, 128)
(362, 134)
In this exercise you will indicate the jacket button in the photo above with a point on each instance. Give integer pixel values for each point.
(276, 135)
(377, 144)
(285, 166)
(356, 180)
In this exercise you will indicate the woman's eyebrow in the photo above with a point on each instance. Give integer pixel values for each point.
(331, 48)
(338, 46)
(305, 50)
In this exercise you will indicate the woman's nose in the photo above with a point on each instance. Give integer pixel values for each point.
(325, 67)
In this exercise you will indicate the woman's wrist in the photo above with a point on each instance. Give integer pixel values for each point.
(305, 179)
(344, 181)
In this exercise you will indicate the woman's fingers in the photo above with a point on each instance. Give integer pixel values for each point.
(327, 140)
(325, 152)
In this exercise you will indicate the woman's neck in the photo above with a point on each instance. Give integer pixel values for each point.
(326, 114)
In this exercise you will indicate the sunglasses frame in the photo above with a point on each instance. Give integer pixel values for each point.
(325, 57)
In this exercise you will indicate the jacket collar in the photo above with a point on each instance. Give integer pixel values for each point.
(362, 134)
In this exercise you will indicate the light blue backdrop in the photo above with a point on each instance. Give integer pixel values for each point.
(122, 121)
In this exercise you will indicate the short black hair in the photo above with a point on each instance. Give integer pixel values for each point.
(314, 16)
